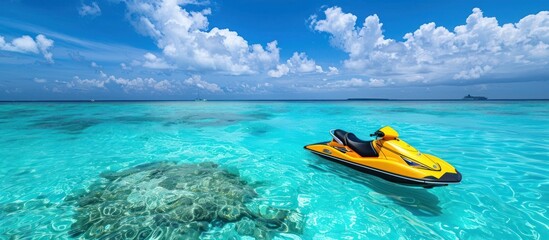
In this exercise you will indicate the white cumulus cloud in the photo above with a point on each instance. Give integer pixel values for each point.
(473, 73)
(351, 83)
(127, 84)
(332, 71)
(26, 44)
(186, 42)
(338, 84)
(298, 63)
(281, 70)
(374, 82)
(154, 62)
(197, 81)
(482, 49)
(89, 10)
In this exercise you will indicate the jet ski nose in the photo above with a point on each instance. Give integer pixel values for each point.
(446, 178)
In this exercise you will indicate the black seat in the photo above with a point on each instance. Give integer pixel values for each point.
(363, 148)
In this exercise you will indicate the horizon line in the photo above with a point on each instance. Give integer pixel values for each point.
(279, 100)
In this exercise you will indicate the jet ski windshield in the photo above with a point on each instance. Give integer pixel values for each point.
(339, 136)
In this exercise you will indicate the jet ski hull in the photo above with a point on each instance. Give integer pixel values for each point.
(423, 181)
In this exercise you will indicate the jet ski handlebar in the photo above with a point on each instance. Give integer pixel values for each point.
(377, 134)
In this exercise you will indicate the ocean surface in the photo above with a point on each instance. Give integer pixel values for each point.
(57, 162)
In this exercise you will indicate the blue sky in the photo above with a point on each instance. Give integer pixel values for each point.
(258, 49)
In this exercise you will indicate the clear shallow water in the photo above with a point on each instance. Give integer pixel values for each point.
(51, 150)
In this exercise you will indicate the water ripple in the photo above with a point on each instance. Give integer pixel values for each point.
(51, 150)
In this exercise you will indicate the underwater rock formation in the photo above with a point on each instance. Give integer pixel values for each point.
(168, 200)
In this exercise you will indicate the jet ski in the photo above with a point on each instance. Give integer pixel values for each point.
(388, 157)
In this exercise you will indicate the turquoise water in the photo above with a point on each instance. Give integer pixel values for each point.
(49, 151)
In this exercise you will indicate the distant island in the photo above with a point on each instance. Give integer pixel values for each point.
(476, 98)
(367, 99)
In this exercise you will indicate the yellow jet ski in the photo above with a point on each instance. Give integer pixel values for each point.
(387, 157)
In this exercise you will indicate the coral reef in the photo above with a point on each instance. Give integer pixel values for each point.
(169, 200)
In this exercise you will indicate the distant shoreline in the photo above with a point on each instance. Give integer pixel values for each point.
(282, 100)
